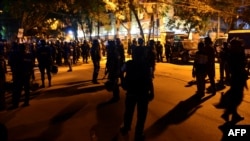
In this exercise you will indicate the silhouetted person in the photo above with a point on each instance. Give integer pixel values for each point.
(224, 69)
(44, 59)
(2, 81)
(59, 53)
(168, 51)
(159, 51)
(132, 47)
(199, 69)
(237, 63)
(210, 64)
(22, 68)
(113, 69)
(3, 132)
(32, 50)
(70, 56)
(85, 51)
(138, 81)
(95, 53)
(120, 48)
(151, 54)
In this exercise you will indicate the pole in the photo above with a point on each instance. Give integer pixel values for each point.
(218, 26)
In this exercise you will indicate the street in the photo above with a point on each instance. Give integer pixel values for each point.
(74, 109)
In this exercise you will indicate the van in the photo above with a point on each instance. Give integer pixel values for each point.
(182, 48)
(243, 35)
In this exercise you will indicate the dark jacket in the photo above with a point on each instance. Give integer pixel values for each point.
(95, 51)
(44, 56)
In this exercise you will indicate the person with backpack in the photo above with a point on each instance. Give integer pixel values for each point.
(137, 83)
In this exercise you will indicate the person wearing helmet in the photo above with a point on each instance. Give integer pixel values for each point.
(44, 58)
(95, 53)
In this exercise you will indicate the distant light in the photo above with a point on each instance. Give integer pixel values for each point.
(70, 32)
(1, 11)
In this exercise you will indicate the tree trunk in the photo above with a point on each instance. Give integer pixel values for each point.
(132, 7)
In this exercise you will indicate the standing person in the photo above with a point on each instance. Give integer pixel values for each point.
(95, 53)
(129, 52)
(59, 53)
(137, 83)
(210, 64)
(22, 64)
(132, 47)
(120, 48)
(121, 55)
(199, 69)
(239, 77)
(32, 50)
(44, 59)
(168, 50)
(70, 54)
(223, 59)
(85, 51)
(159, 51)
(113, 69)
(151, 54)
(3, 132)
(2, 81)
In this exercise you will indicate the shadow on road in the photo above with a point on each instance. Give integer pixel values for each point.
(68, 89)
(109, 119)
(180, 62)
(55, 124)
(182, 111)
(219, 86)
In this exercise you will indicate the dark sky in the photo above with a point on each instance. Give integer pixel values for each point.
(1, 4)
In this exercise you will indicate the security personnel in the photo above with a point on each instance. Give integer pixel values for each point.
(44, 58)
(138, 79)
(22, 68)
(113, 68)
(199, 69)
(95, 53)
(2, 81)
(210, 64)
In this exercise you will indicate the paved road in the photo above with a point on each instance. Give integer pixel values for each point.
(74, 109)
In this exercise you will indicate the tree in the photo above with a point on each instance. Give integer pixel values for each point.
(29, 13)
(199, 13)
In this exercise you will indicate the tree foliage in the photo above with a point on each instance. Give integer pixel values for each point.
(29, 13)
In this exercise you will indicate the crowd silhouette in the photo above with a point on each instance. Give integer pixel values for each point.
(139, 69)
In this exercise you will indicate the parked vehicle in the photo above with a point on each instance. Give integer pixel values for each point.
(244, 35)
(184, 50)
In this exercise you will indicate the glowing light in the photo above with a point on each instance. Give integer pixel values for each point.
(70, 32)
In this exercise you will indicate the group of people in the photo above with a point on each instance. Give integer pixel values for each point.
(232, 62)
(138, 70)
(21, 59)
